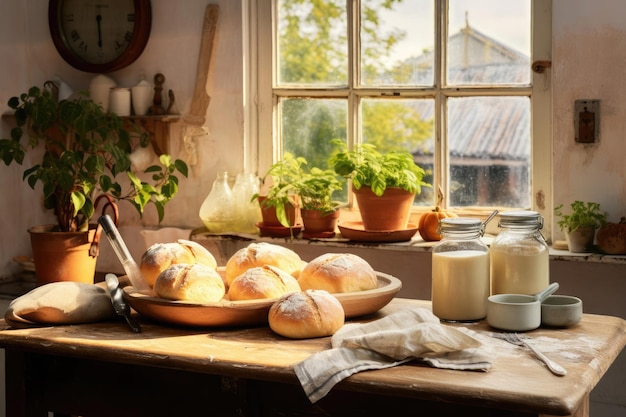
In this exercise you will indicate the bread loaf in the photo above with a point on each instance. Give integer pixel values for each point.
(338, 273)
(190, 282)
(262, 282)
(261, 254)
(160, 256)
(302, 315)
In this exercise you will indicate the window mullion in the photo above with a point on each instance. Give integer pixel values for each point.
(441, 160)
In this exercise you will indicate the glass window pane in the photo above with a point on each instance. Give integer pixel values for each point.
(489, 151)
(402, 124)
(397, 40)
(309, 125)
(313, 45)
(489, 42)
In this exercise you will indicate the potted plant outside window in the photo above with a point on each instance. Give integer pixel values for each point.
(385, 184)
(87, 156)
(580, 225)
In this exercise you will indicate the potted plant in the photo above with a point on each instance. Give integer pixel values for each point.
(580, 225)
(279, 205)
(86, 155)
(385, 184)
(319, 211)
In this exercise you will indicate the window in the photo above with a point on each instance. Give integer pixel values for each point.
(449, 81)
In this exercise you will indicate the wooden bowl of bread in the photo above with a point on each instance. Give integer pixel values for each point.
(193, 291)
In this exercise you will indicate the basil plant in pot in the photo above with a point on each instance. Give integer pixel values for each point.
(86, 159)
(385, 184)
(279, 203)
(580, 225)
(320, 213)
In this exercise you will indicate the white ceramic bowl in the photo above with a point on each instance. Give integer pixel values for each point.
(513, 312)
(561, 311)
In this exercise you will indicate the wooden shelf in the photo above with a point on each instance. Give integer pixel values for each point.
(158, 127)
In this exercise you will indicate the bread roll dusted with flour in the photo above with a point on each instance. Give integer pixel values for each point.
(303, 315)
(262, 282)
(190, 282)
(338, 273)
(262, 254)
(160, 256)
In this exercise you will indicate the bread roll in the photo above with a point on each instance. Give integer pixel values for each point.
(160, 256)
(337, 273)
(261, 254)
(262, 282)
(301, 315)
(190, 282)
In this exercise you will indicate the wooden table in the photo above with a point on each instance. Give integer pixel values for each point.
(103, 369)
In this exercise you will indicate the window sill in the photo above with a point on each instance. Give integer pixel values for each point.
(416, 244)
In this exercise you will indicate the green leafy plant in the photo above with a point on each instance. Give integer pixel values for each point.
(582, 214)
(282, 178)
(86, 153)
(364, 165)
(316, 187)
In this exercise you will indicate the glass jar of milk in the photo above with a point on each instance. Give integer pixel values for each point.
(460, 271)
(520, 260)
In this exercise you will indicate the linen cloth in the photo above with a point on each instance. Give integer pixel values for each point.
(60, 303)
(412, 334)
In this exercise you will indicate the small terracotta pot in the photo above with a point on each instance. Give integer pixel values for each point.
(390, 211)
(269, 214)
(581, 239)
(62, 256)
(318, 223)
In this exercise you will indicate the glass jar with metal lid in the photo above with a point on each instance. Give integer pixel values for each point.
(460, 271)
(520, 260)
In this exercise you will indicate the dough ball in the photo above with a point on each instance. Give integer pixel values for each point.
(262, 254)
(262, 282)
(160, 256)
(308, 314)
(190, 282)
(338, 273)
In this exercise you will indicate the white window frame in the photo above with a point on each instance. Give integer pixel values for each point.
(261, 144)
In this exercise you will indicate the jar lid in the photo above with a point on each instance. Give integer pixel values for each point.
(459, 224)
(521, 218)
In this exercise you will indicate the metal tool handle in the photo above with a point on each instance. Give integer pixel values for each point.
(130, 266)
(553, 366)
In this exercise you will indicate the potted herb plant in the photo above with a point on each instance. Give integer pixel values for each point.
(580, 225)
(279, 205)
(385, 184)
(319, 211)
(86, 157)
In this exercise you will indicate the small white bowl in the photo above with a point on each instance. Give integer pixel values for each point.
(513, 312)
(561, 311)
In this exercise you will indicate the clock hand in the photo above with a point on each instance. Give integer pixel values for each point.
(99, 19)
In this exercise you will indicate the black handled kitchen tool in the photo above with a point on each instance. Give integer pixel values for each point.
(119, 304)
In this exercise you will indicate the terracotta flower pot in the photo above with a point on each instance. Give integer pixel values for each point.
(388, 212)
(269, 214)
(318, 224)
(62, 256)
(581, 239)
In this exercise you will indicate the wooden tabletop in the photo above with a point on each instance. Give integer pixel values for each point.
(516, 380)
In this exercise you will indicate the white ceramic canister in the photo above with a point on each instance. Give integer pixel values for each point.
(142, 97)
(119, 101)
(520, 262)
(100, 90)
(460, 271)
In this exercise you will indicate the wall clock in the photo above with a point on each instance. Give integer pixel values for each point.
(100, 36)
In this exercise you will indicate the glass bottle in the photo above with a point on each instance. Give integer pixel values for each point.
(247, 211)
(520, 262)
(217, 210)
(460, 271)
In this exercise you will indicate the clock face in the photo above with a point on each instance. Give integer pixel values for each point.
(100, 35)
